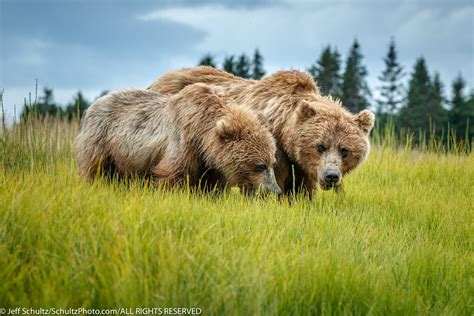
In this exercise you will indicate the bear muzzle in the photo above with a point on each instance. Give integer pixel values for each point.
(331, 179)
(270, 184)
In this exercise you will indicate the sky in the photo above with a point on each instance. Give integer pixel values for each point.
(96, 45)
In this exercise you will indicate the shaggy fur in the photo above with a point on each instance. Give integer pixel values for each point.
(176, 138)
(315, 135)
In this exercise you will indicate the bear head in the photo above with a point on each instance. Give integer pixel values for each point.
(327, 141)
(243, 151)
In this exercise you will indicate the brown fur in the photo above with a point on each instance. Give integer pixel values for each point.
(300, 119)
(175, 138)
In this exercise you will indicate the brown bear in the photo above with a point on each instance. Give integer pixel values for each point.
(318, 141)
(176, 139)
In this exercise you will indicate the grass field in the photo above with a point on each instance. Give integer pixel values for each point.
(397, 241)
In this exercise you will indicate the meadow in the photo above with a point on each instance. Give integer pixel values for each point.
(397, 241)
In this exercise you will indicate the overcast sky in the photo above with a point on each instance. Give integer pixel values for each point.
(94, 45)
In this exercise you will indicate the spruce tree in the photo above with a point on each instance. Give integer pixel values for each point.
(242, 68)
(469, 119)
(326, 72)
(458, 100)
(104, 92)
(413, 115)
(424, 103)
(435, 107)
(355, 91)
(45, 106)
(461, 114)
(77, 107)
(391, 90)
(207, 60)
(229, 64)
(257, 65)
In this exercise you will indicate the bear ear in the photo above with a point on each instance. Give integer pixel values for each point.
(365, 120)
(306, 111)
(225, 129)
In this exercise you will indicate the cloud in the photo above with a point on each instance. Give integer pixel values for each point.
(83, 39)
(71, 45)
(292, 35)
(226, 3)
(96, 45)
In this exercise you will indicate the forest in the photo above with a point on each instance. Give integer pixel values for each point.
(413, 102)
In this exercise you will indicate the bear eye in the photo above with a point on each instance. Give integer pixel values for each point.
(261, 167)
(344, 152)
(321, 148)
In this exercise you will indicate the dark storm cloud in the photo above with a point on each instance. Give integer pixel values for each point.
(78, 43)
(96, 45)
(293, 34)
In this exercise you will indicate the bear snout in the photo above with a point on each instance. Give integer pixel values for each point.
(331, 176)
(270, 183)
(331, 179)
(268, 186)
(273, 188)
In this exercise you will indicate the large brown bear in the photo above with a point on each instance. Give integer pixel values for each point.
(318, 141)
(176, 138)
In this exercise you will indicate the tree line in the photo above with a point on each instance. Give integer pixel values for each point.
(419, 107)
(45, 105)
(240, 65)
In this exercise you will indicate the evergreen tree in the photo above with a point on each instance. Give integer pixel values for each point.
(424, 101)
(104, 92)
(461, 114)
(45, 106)
(391, 90)
(355, 91)
(469, 119)
(207, 60)
(458, 100)
(229, 65)
(257, 65)
(77, 107)
(436, 108)
(413, 115)
(326, 72)
(242, 68)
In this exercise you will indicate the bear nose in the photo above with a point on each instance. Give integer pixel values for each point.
(331, 176)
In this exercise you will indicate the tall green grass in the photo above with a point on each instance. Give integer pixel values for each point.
(398, 240)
